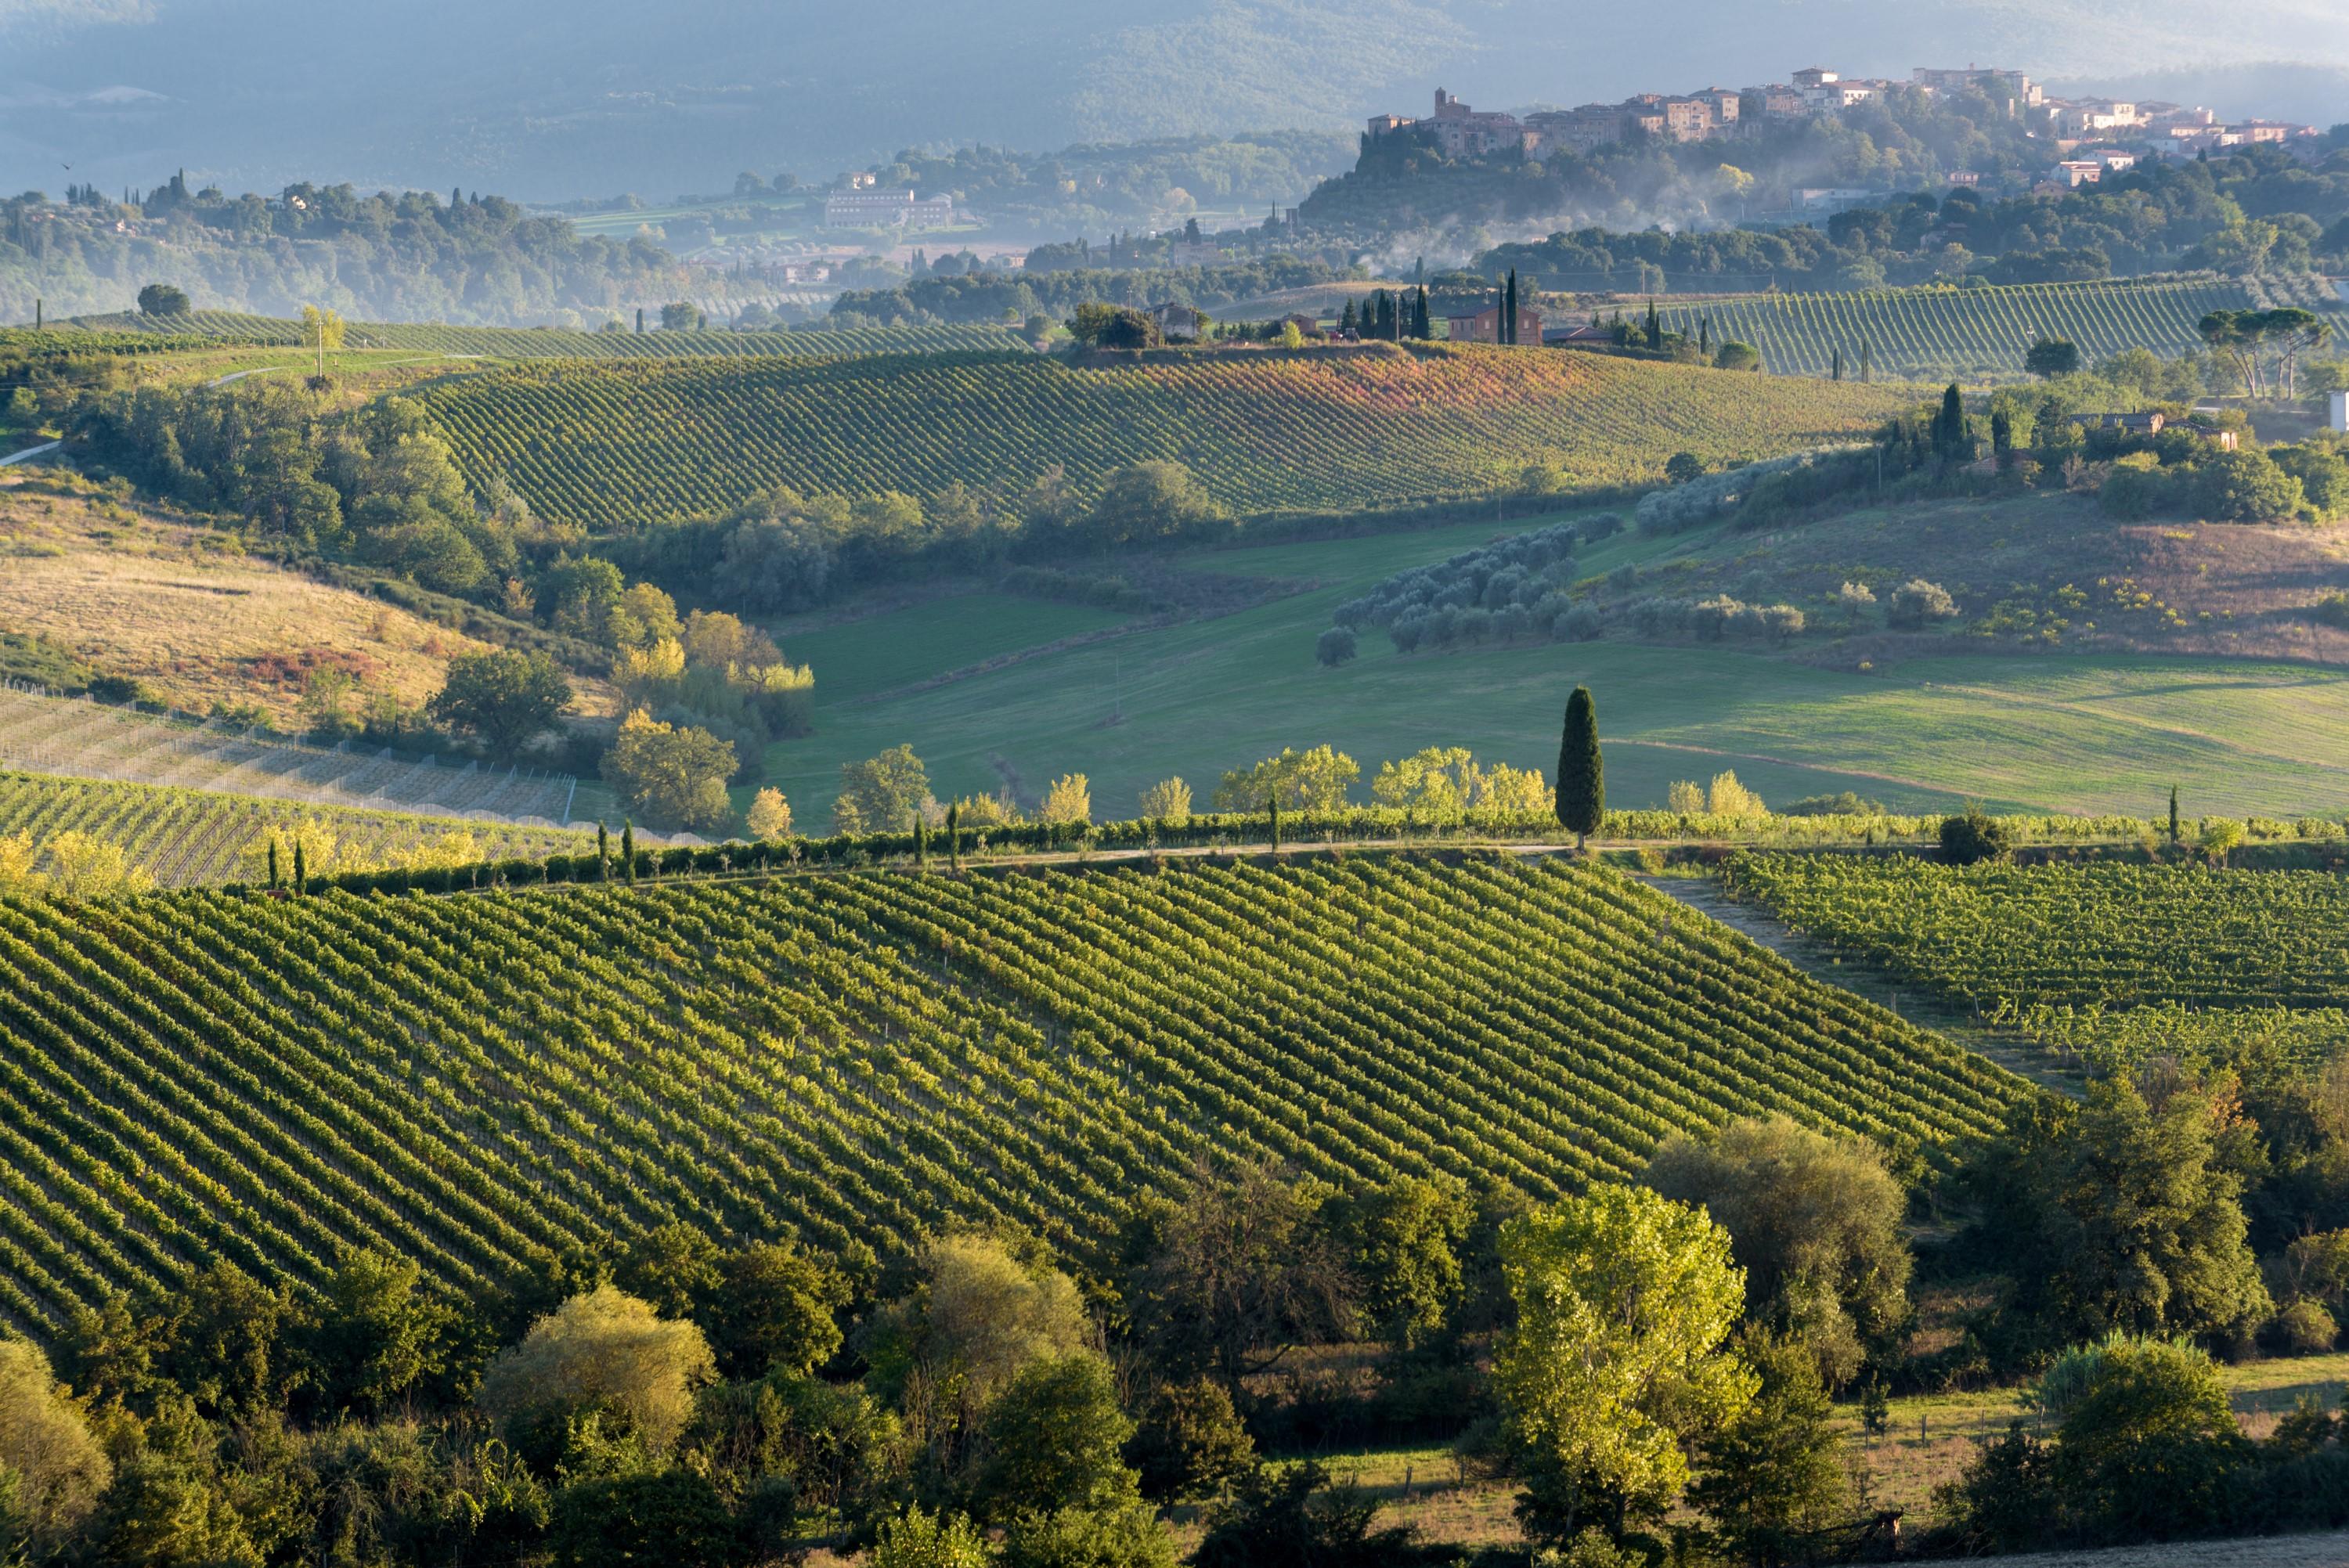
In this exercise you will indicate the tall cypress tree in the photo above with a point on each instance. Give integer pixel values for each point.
(1655, 325)
(1867, 360)
(1272, 814)
(603, 853)
(954, 837)
(301, 871)
(273, 859)
(2173, 813)
(1956, 444)
(1347, 321)
(629, 851)
(921, 843)
(1509, 310)
(1704, 337)
(1836, 374)
(1419, 324)
(1581, 771)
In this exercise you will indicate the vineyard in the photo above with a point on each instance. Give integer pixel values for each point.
(85, 739)
(2113, 961)
(1968, 333)
(472, 1080)
(538, 343)
(188, 837)
(618, 444)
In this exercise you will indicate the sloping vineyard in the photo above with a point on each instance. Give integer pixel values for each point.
(2114, 961)
(188, 837)
(616, 444)
(1966, 333)
(472, 1079)
(542, 342)
(87, 741)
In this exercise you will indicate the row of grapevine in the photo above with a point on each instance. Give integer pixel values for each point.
(467, 1080)
(615, 444)
(541, 343)
(2115, 961)
(1964, 332)
(188, 837)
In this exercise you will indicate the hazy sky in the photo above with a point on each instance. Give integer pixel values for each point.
(557, 98)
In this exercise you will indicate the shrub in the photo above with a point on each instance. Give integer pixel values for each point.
(1336, 647)
(1972, 837)
(2304, 1328)
(1917, 602)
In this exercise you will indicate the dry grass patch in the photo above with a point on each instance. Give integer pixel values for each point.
(181, 608)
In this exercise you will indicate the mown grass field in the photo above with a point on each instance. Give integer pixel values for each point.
(464, 1080)
(614, 445)
(2078, 733)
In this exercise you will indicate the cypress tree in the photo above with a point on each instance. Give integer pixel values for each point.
(629, 851)
(1655, 325)
(301, 871)
(2173, 814)
(640, 320)
(1419, 325)
(603, 853)
(922, 844)
(954, 837)
(1956, 444)
(1704, 335)
(1272, 812)
(2001, 437)
(1836, 374)
(1581, 771)
(1348, 319)
(1508, 333)
(273, 860)
(1867, 360)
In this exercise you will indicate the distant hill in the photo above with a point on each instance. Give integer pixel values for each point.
(590, 96)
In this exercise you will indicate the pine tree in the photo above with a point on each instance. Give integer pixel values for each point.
(272, 860)
(301, 871)
(954, 837)
(1581, 771)
(629, 851)
(2173, 814)
(603, 853)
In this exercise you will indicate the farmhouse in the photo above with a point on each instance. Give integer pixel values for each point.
(1485, 325)
(1177, 323)
(886, 209)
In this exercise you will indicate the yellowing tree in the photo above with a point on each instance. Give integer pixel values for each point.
(1439, 778)
(1520, 791)
(771, 815)
(18, 853)
(603, 1347)
(669, 774)
(321, 329)
(1625, 1300)
(643, 672)
(975, 812)
(1315, 780)
(1685, 797)
(1168, 801)
(88, 867)
(1728, 797)
(1068, 799)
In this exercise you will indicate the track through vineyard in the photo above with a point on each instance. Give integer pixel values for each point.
(470, 1080)
(614, 444)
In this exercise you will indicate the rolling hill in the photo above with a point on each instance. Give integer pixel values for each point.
(547, 343)
(629, 443)
(474, 1081)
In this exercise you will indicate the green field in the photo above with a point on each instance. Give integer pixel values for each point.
(544, 343)
(878, 654)
(464, 1080)
(1967, 333)
(184, 837)
(615, 444)
(2086, 733)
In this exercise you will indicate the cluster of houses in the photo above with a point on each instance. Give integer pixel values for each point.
(2096, 136)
